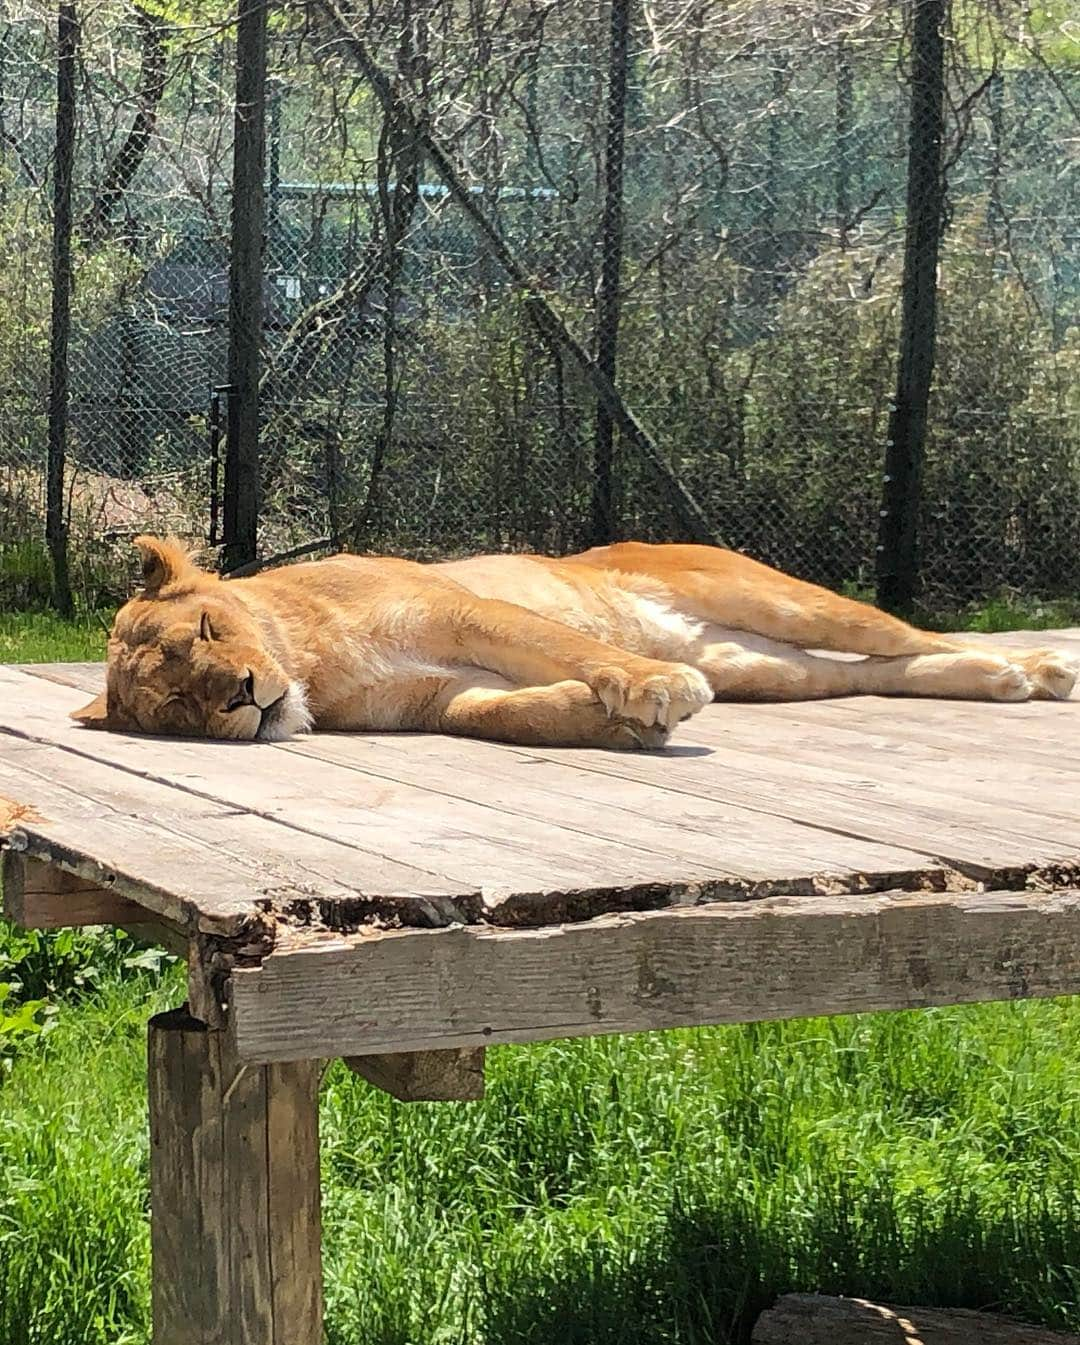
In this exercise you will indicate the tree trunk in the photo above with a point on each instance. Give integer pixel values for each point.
(60, 330)
(609, 298)
(897, 565)
(241, 503)
(128, 159)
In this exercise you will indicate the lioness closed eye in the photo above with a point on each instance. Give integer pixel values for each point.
(610, 648)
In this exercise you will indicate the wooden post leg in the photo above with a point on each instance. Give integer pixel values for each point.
(234, 1178)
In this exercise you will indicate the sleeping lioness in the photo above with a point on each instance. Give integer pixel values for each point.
(611, 648)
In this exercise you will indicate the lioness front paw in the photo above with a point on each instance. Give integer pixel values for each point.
(652, 692)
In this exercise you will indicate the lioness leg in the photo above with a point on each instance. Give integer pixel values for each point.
(532, 651)
(729, 589)
(753, 668)
(732, 590)
(478, 704)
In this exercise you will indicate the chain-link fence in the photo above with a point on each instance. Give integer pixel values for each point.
(542, 272)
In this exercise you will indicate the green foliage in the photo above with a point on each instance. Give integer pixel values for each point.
(74, 1245)
(39, 970)
(779, 433)
(1010, 611)
(19, 1018)
(25, 258)
(72, 962)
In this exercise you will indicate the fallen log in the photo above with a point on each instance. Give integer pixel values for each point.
(816, 1319)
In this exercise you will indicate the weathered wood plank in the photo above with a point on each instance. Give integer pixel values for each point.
(775, 958)
(41, 896)
(196, 862)
(457, 835)
(709, 839)
(424, 1076)
(816, 1319)
(1063, 638)
(699, 795)
(870, 750)
(1032, 729)
(152, 844)
(234, 1171)
(88, 677)
(217, 772)
(843, 792)
(338, 829)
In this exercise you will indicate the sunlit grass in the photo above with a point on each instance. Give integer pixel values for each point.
(658, 1188)
(44, 637)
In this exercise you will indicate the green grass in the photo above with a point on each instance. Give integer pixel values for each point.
(1011, 611)
(43, 637)
(661, 1188)
(653, 1190)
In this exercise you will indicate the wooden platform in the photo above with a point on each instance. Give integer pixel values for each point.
(404, 901)
(295, 868)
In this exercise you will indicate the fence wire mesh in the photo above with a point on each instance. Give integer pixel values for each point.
(708, 201)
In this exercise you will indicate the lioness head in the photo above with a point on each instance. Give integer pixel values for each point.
(187, 656)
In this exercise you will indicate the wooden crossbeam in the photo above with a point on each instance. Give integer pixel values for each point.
(42, 896)
(782, 957)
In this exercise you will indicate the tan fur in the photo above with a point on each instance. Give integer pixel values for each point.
(609, 648)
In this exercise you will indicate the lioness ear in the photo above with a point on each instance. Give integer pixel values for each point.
(162, 562)
(95, 715)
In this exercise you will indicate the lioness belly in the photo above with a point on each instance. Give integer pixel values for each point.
(634, 614)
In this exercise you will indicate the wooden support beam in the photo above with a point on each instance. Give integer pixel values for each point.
(234, 1174)
(781, 957)
(813, 1319)
(42, 896)
(424, 1076)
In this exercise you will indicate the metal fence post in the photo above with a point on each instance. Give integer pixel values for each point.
(609, 298)
(241, 496)
(897, 559)
(55, 527)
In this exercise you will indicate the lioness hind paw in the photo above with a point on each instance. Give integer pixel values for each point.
(1053, 676)
(1010, 684)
